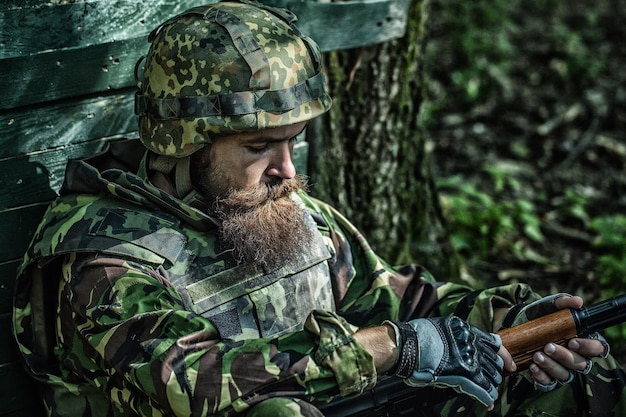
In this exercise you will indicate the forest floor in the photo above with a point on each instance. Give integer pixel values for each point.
(528, 132)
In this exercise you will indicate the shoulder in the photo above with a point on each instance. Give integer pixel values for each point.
(328, 217)
(101, 224)
(314, 205)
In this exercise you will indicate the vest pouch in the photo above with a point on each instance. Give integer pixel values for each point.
(244, 302)
(139, 234)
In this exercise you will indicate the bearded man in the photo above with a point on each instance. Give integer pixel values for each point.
(205, 281)
(248, 180)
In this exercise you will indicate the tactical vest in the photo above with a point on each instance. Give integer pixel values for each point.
(245, 302)
(117, 213)
(242, 301)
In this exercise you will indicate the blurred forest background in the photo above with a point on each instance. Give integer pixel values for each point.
(525, 114)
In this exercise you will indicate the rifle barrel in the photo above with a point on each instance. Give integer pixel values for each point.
(601, 315)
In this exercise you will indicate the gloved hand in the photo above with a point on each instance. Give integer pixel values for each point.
(448, 352)
(522, 313)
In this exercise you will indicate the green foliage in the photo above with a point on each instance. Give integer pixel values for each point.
(477, 35)
(611, 243)
(491, 220)
(516, 67)
(575, 206)
(485, 224)
(576, 60)
(475, 57)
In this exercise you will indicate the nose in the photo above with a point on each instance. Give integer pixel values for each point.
(281, 164)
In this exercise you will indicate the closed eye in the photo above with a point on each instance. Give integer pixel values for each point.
(261, 147)
(258, 148)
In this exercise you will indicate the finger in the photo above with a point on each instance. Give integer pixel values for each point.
(540, 375)
(568, 301)
(509, 363)
(492, 369)
(587, 347)
(550, 367)
(566, 357)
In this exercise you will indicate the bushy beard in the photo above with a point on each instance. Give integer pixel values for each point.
(262, 225)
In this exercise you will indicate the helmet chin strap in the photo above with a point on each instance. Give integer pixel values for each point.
(178, 175)
(173, 176)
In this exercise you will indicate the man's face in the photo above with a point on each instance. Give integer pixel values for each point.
(247, 180)
(245, 160)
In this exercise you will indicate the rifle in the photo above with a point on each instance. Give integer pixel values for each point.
(391, 397)
(524, 340)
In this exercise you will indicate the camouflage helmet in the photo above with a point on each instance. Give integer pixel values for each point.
(226, 68)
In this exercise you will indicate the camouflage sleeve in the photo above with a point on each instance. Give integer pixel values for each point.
(480, 309)
(124, 329)
(367, 289)
(370, 291)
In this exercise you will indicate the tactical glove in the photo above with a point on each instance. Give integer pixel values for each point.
(521, 313)
(447, 352)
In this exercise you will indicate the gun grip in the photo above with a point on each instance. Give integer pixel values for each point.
(524, 340)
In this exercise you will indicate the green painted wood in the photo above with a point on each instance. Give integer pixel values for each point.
(17, 227)
(29, 179)
(60, 74)
(8, 347)
(20, 4)
(101, 62)
(31, 30)
(349, 24)
(18, 396)
(7, 280)
(65, 122)
(36, 177)
(335, 25)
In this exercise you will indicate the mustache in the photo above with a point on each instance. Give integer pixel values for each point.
(263, 225)
(262, 194)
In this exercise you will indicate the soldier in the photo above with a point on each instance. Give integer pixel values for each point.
(205, 281)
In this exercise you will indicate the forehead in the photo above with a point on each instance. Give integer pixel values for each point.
(265, 135)
(227, 144)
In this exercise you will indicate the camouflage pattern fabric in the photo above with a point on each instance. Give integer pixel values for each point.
(214, 70)
(123, 340)
(125, 328)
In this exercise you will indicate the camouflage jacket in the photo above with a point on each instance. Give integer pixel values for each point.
(101, 324)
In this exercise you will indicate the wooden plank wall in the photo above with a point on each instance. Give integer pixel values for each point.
(67, 77)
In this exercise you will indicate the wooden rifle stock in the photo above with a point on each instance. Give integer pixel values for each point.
(524, 340)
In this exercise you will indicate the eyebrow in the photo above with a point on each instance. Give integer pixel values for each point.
(266, 139)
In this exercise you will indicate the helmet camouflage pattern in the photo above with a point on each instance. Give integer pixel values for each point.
(226, 68)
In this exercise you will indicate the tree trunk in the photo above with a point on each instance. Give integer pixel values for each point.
(368, 155)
